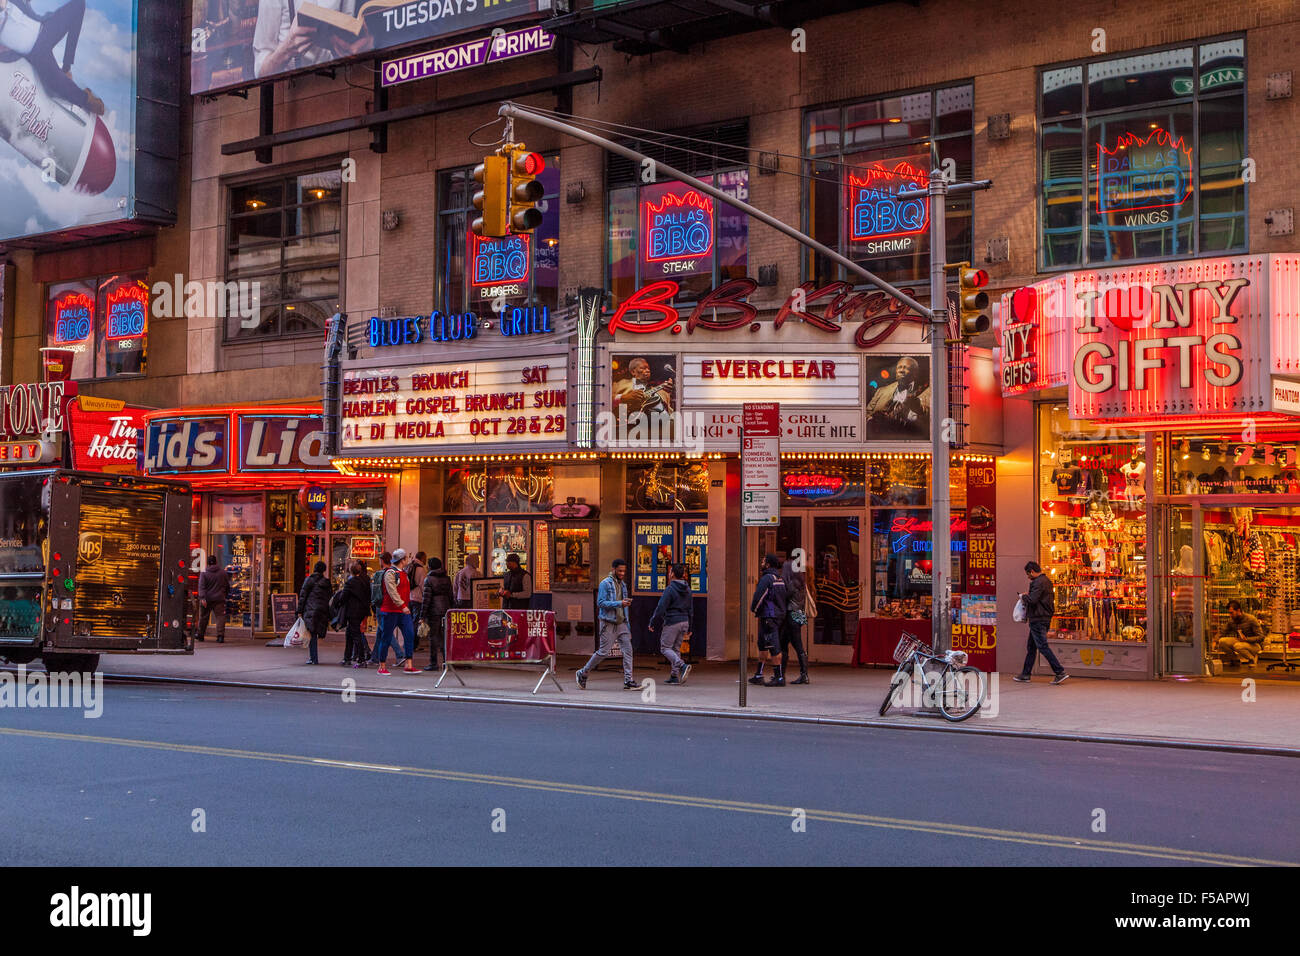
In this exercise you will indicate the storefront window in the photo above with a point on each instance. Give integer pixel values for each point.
(358, 510)
(900, 481)
(480, 489)
(829, 484)
(1093, 528)
(660, 486)
(282, 240)
(509, 537)
(654, 542)
(902, 553)
(573, 558)
(474, 272)
(1159, 138)
(103, 323)
(860, 155)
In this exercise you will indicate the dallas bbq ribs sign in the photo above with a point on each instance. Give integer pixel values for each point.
(724, 309)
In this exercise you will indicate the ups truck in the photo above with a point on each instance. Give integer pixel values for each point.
(92, 564)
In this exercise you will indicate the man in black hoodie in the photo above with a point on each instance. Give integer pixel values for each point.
(214, 591)
(769, 606)
(674, 619)
(435, 602)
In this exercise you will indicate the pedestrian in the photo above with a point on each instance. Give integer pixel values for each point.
(769, 606)
(416, 572)
(611, 605)
(799, 603)
(214, 591)
(356, 610)
(377, 600)
(437, 597)
(1040, 604)
(674, 619)
(314, 607)
(517, 585)
(395, 615)
(463, 584)
(1240, 637)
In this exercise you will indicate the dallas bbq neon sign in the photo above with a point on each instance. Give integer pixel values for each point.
(127, 308)
(1151, 172)
(499, 261)
(880, 314)
(876, 212)
(680, 226)
(73, 314)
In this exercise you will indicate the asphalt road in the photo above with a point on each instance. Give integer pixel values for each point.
(294, 778)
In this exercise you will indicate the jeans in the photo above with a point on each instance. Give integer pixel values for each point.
(1236, 650)
(670, 642)
(354, 646)
(1038, 645)
(610, 632)
(216, 609)
(388, 622)
(317, 634)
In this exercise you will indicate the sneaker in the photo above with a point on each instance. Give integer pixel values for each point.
(1021, 678)
(686, 670)
(383, 669)
(672, 680)
(410, 667)
(631, 685)
(756, 679)
(775, 682)
(1060, 678)
(581, 678)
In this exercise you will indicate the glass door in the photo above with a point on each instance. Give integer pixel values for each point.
(1179, 590)
(835, 566)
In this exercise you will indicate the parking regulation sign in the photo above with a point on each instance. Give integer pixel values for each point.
(760, 464)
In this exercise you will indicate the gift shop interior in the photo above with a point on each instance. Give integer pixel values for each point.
(1183, 546)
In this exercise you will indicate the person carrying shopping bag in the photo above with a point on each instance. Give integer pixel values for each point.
(314, 607)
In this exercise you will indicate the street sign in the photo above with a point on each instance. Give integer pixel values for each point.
(760, 465)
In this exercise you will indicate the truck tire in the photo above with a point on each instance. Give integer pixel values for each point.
(71, 663)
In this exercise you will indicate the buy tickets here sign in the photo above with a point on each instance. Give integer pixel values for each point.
(511, 401)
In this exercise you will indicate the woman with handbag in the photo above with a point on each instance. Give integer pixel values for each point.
(799, 607)
(314, 607)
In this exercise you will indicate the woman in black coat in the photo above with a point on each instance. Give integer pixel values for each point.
(314, 606)
(356, 609)
(438, 599)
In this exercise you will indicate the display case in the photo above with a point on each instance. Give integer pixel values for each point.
(508, 537)
(573, 555)
(653, 551)
(463, 538)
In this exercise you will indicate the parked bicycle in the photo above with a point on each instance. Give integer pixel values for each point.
(956, 687)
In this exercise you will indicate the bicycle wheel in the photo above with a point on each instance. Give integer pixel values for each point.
(963, 692)
(901, 676)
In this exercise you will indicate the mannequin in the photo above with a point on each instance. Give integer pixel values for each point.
(1068, 476)
(1135, 474)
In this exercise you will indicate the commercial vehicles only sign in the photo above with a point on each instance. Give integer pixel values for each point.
(760, 464)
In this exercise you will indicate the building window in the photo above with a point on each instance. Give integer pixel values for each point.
(520, 270)
(282, 242)
(666, 230)
(858, 156)
(101, 324)
(1159, 139)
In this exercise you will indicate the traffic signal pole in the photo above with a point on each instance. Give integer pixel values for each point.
(940, 424)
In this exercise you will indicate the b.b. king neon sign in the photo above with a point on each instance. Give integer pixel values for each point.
(678, 227)
(499, 261)
(74, 313)
(1140, 173)
(126, 311)
(877, 216)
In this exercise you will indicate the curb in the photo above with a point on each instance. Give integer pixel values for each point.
(1171, 743)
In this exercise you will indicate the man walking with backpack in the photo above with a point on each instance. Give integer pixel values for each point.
(1041, 606)
(214, 591)
(416, 573)
(395, 615)
(769, 606)
(674, 618)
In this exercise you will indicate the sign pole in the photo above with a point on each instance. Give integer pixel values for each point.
(940, 423)
(760, 493)
(741, 616)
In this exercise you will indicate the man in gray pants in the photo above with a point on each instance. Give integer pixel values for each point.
(611, 606)
(674, 619)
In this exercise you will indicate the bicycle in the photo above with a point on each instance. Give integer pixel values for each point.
(961, 687)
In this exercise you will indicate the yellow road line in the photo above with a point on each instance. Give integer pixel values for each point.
(683, 800)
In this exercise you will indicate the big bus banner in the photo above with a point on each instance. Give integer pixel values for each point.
(493, 636)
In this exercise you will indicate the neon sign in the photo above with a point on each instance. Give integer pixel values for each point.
(73, 315)
(499, 261)
(1020, 343)
(1151, 172)
(414, 329)
(126, 311)
(678, 227)
(877, 216)
(812, 485)
(880, 314)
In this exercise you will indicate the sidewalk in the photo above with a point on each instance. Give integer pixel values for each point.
(1209, 711)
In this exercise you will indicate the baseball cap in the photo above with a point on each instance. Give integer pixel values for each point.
(399, 555)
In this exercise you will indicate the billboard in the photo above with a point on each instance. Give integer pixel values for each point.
(242, 42)
(78, 78)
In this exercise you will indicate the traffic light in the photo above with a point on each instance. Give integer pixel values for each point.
(493, 176)
(525, 190)
(972, 301)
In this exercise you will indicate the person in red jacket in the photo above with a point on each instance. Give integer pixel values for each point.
(395, 612)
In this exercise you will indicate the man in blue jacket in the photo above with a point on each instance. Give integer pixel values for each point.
(674, 618)
(769, 606)
(611, 605)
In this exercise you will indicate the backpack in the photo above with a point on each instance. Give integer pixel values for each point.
(416, 588)
(377, 588)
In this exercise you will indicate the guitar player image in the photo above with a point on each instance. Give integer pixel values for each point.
(27, 34)
(900, 405)
(284, 40)
(638, 388)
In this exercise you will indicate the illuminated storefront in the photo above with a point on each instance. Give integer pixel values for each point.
(268, 502)
(1167, 459)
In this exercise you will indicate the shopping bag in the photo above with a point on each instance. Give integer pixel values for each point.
(296, 634)
(1020, 613)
